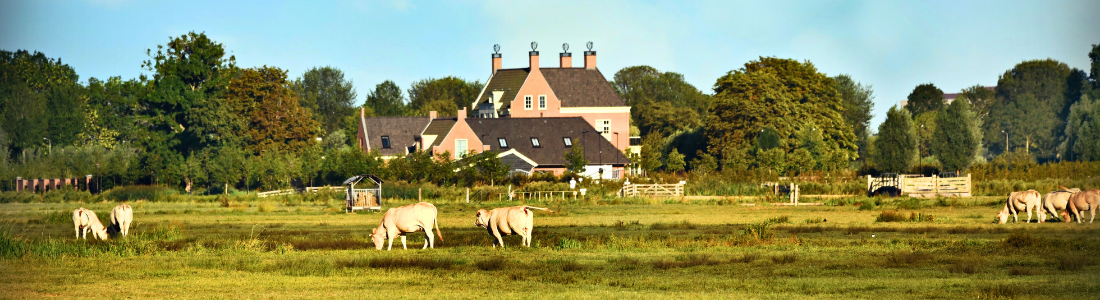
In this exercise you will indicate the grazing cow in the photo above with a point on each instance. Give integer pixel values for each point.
(122, 216)
(1082, 201)
(409, 218)
(85, 220)
(1027, 200)
(508, 221)
(1055, 201)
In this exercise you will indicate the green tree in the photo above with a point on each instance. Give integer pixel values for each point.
(981, 99)
(325, 93)
(1082, 133)
(262, 99)
(858, 103)
(575, 160)
(445, 95)
(896, 142)
(651, 153)
(40, 97)
(704, 163)
(1094, 71)
(924, 125)
(194, 170)
(958, 137)
(662, 102)
(675, 161)
(386, 99)
(781, 93)
(924, 98)
(184, 108)
(774, 160)
(1032, 101)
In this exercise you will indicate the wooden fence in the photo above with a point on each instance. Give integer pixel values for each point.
(542, 195)
(653, 190)
(917, 186)
(314, 189)
(275, 193)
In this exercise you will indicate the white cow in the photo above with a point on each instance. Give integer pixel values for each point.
(1056, 201)
(122, 216)
(85, 220)
(507, 221)
(1082, 201)
(1027, 200)
(409, 218)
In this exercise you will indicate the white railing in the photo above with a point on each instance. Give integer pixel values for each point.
(275, 193)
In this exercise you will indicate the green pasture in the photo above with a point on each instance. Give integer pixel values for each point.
(630, 248)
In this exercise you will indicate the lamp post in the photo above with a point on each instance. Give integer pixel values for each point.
(584, 143)
(920, 152)
(50, 144)
(1006, 140)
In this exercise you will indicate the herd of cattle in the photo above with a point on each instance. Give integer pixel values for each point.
(1066, 203)
(1071, 202)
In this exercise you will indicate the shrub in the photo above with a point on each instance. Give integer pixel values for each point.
(492, 264)
(266, 207)
(1022, 240)
(891, 216)
(152, 193)
(784, 259)
(780, 219)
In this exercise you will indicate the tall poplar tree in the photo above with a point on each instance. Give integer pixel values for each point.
(896, 143)
(958, 137)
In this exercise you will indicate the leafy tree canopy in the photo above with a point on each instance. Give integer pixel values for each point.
(327, 96)
(958, 137)
(444, 95)
(924, 98)
(896, 142)
(386, 99)
(262, 98)
(786, 95)
(662, 102)
(1032, 101)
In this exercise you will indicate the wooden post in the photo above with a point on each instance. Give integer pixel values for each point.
(419, 197)
(467, 195)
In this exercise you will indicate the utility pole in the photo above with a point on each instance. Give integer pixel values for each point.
(1006, 140)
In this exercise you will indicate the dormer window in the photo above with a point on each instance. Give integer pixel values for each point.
(503, 142)
(535, 142)
(568, 142)
(385, 142)
(527, 102)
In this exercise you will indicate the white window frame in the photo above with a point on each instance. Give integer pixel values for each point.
(536, 143)
(461, 151)
(542, 102)
(568, 142)
(603, 126)
(527, 102)
(386, 142)
(502, 142)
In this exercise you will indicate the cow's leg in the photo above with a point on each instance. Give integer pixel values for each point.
(403, 242)
(390, 247)
(499, 239)
(429, 238)
(1028, 209)
(77, 227)
(84, 235)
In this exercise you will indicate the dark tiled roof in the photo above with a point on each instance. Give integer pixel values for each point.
(401, 130)
(580, 87)
(514, 162)
(440, 127)
(550, 132)
(507, 80)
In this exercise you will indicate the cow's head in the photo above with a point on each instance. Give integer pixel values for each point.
(1065, 217)
(379, 238)
(482, 218)
(1002, 216)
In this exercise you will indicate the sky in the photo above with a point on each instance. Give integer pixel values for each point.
(893, 46)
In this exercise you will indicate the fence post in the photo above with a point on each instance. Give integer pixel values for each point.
(467, 195)
(419, 195)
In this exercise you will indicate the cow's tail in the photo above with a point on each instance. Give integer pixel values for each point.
(540, 208)
(437, 233)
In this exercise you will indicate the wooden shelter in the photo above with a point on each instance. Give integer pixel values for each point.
(359, 199)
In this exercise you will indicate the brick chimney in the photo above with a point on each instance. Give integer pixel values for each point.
(496, 62)
(566, 60)
(462, 114)
(431, 115)
(590, 60)
(362, 112)
(534, 56)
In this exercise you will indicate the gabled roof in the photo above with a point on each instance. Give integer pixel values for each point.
(507, 80)
(402, 132)
(440, 127)
(518, 132)
(580, 87)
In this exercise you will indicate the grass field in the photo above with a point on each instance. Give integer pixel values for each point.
(642, 248)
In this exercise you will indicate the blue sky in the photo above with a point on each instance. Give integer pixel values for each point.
(891, 45)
